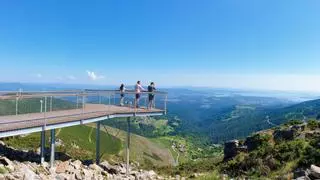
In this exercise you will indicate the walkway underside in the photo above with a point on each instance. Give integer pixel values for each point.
(35, 122)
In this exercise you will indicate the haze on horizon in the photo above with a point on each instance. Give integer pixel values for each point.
(271, 45)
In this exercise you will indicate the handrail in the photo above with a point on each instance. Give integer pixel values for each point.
(34, 94)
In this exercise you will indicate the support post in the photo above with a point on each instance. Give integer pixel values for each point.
(53, 141)
(77, 101)
(43, 143)
(83, 106)
(165, 104)
(98, 143)
(17, 101)
(45, 111)
(50, 103)
(128, 148)
(83, 103)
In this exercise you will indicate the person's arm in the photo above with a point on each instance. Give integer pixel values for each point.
(141, 88)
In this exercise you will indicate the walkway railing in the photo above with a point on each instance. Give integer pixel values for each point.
(39, 108)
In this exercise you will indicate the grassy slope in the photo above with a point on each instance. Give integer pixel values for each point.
(142, 149)
(73, 137)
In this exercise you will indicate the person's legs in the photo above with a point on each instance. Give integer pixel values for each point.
(121, 100)
(137, 100)
(150, 104)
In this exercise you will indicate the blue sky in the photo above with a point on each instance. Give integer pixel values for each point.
(265, 44)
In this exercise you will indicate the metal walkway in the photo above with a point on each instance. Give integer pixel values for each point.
(35, 122)
(29, 112)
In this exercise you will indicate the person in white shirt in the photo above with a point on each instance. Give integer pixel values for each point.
(138, 90)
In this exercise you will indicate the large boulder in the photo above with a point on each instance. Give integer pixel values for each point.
(230, 149)
(285, 134)
(257, 140)
(299, 127)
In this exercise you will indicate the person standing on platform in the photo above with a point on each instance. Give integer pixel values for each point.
(138, 90)
(122, 91)
(151, 89)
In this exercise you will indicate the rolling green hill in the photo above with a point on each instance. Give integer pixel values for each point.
(302, 111)
(239, 121)
(77, 142)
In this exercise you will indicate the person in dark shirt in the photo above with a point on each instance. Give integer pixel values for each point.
(122, 90)
(151, 89)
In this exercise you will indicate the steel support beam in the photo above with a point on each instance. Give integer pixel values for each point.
(98, 142)
(53, 141)
(128, 148)
(43, 144)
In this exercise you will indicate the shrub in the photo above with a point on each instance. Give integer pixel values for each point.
(313, 124)
(3, 170)
(288, 151)
(257, 141)
(294, 122)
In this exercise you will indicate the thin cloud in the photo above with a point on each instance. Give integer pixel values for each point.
(39, 75)
(71, 77)
(94, 76)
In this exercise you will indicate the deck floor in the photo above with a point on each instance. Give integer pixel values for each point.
(22, 121)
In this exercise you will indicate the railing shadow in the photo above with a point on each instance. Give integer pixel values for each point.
(32, 156)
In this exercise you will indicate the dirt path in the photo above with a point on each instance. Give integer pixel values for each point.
(89, 137)
(269, 122)
(178, 155)
(58, 132)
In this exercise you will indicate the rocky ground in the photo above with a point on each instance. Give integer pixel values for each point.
(72, 169)
(23, 165)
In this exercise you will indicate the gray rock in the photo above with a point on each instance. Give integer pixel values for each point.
(10, 177)
(301, 178)
(87, 174)
(95, 167)
(78, 175)
(178, 177)
(299, 173)
(76, 164)
(7, 163)
(315, 171)
(43, 177)
(62, 167)
(62, 176)
(107, 167)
